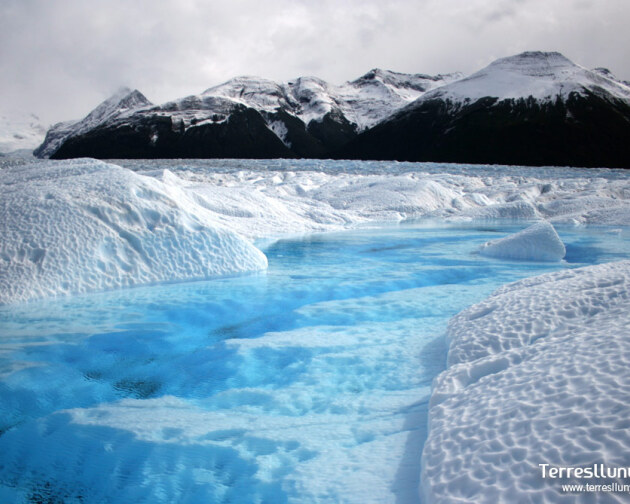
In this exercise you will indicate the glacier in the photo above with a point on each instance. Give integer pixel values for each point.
(86, 225)
(536, 373)
(81, 226)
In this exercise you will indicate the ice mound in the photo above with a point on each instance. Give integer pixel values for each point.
(539, 242)
(85, 225)
(539, 373)
(270, 198)
(269, 204)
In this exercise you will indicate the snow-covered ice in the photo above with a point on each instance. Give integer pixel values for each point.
(538, 242)
(538, 373)
(84, 225)
(301, 196)
(47, 204)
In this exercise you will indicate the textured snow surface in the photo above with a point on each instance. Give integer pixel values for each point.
(77, 226)
(538, 373)
(542, 75)
(84, 225)
(272, 198)
(539, 242)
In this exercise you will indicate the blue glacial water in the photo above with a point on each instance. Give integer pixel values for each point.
(306, 383)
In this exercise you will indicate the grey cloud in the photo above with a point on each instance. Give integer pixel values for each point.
(59, 59)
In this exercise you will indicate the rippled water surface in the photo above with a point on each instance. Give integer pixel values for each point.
(306, 383)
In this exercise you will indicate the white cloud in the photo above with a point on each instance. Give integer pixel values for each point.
(61, 58)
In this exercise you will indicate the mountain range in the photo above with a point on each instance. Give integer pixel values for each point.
(534, 108)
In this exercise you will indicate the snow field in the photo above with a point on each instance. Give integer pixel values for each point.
(285, 197)
(330, 406)
(84, 225)
(538, 373)
(80, 226)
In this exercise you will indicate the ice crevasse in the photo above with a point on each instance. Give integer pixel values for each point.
(86, 225)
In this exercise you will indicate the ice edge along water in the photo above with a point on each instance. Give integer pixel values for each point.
(538, 373)
(467, 396)
(84, 225)
(539, 242)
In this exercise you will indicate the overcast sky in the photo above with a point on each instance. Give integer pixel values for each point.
(60, 58)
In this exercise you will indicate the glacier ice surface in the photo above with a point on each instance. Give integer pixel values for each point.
(538, 373)
(518, 391)
(538, 242)
(79, 226)
(85, 225)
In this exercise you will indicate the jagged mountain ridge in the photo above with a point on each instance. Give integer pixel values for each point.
(305, 117)
(120, 105)
(533, 108)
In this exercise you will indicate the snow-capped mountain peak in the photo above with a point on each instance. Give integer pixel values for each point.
(536, 64)
(363, 102)
(380, 115)
(537, 74)
(245, 89)
(534, 108)
(378, 93)
(419, 82)
(121, 102)
(604, 72)
(218, 102)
